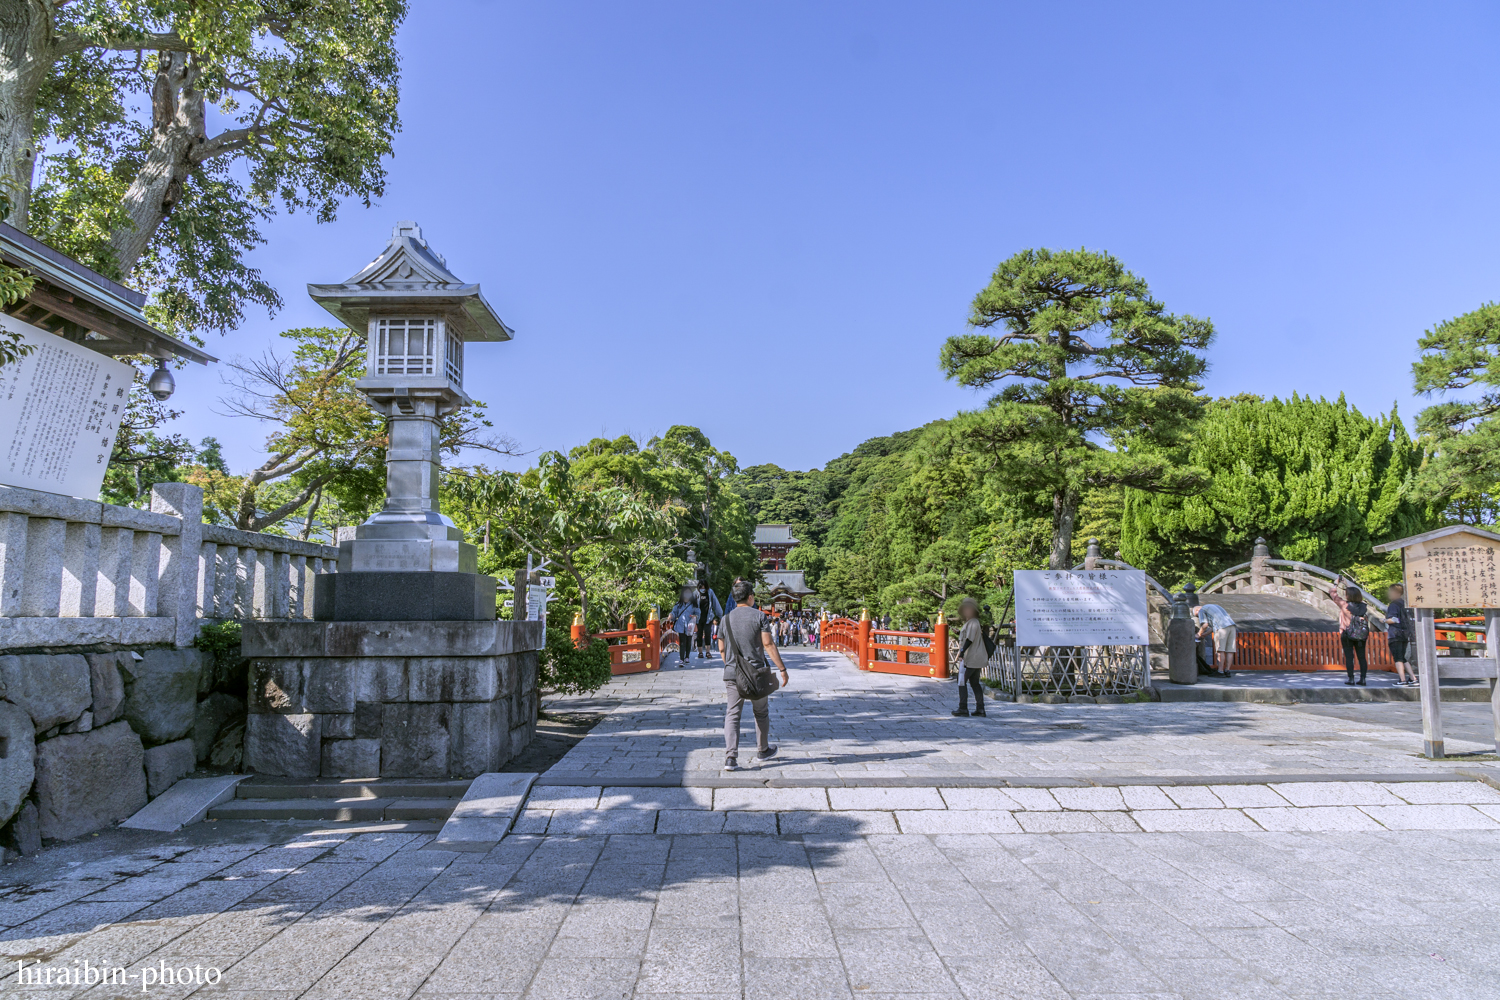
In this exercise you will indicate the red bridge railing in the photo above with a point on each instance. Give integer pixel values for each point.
(631, 650)
(1304, 651)
(885, 651)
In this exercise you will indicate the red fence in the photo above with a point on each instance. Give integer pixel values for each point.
(885, 651)
(1304, 651)
(631, 650)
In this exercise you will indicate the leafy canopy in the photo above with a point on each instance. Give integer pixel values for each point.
(1085, 357)
(1458, 356)
(169, 129)
(1319, 480)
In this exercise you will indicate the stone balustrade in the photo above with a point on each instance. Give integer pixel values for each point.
(77, 573)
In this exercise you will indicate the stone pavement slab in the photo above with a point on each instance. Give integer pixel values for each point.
(858, 905)
(841, 727)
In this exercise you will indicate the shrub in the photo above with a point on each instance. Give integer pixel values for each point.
(570, 670)
(220, 640)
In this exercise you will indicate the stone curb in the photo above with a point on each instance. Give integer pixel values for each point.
(579, 779)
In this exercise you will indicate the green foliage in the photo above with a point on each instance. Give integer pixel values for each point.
(597, 536)
(14, 286)
(566, 669)
(1319, 480)
(1463, 476)
(1085, 355)
(220, 639)
(133, 181)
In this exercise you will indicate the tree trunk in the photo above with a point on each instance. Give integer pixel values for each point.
(177, 129)
(26, 58)
(1064, 513)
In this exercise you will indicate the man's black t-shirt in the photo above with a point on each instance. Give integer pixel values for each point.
(1396, 612)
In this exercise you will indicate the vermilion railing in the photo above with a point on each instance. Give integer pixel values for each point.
(885, 652)
(631, 650)
(1304, 651)
(1473, 635)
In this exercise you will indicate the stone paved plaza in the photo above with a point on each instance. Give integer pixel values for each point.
(838, 725)
(1171, 852)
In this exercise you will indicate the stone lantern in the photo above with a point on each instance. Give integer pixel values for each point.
(409, 562)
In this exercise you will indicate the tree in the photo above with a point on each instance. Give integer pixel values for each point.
(712, 518)
(114, 100)
(1318, 479)
(14, 286)
(551, 513)
(1089, 359)
(1463, 476)
(328, 437)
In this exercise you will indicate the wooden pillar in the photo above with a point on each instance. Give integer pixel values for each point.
(653, 636)
(862, 644)
(1427, 676)
(939, 656)
(580, 634)
(1492, 650)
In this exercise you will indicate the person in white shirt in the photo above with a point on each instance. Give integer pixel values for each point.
(971, 657)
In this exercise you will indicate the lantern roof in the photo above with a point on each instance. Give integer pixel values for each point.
(410, 277)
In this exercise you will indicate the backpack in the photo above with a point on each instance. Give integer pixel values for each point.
(752, 684)
(1358, 628)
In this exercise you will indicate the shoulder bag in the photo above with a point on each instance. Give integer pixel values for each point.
(752, 684)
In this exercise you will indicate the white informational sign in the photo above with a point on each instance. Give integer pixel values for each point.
(550, 582)
(1097, 607)
(60, 408)
(536, 603)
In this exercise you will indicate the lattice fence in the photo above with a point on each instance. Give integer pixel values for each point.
(1070, 670)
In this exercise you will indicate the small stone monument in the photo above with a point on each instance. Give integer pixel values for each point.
(405, 671)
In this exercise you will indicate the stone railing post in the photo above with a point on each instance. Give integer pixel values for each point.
(177, 594)
(1093, 555)
(1182, 658)
(1260, 564)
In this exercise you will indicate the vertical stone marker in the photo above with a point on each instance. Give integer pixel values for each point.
(1456, 567)
(405, 671)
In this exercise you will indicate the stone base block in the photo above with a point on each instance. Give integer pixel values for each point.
(387, 597)
(88, 781)
(166, 763)
(394, 699)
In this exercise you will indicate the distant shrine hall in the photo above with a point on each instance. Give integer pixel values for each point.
(786, 587)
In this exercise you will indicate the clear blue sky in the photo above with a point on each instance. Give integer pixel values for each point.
(764, 218)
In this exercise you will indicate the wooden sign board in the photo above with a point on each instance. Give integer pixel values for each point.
(1454, 571)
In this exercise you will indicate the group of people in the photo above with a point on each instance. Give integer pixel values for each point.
(697, 616)
(1216, 634)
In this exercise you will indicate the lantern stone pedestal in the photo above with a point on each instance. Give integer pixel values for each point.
(349, 700)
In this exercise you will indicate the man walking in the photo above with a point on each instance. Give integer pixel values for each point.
(971, 657)
(684, 617)
(751, 631)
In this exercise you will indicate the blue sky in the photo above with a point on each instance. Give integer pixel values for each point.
(764, 218)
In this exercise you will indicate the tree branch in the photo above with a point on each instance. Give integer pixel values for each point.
(145, 41)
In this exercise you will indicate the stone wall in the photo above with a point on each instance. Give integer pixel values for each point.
(86, 739)
(339, 699)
